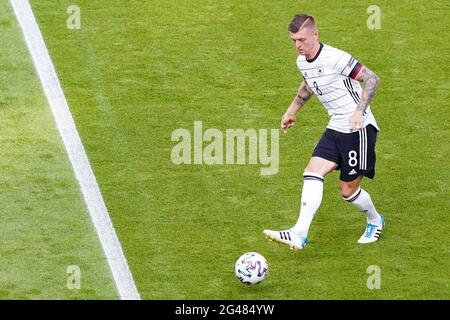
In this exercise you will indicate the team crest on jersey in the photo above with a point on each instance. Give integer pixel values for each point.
(320, 70)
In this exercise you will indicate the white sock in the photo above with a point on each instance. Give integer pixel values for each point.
(311, 199)
(361, 200)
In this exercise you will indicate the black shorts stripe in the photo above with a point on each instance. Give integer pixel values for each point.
(363, 149)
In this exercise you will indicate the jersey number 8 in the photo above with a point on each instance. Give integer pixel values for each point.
(316, 86)
(352, 158)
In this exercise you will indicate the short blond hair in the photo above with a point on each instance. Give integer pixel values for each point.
(301, 20)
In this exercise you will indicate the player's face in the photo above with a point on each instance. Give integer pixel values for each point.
(304, 40)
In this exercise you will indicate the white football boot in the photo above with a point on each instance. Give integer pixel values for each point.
(294, 241)
(372, 232)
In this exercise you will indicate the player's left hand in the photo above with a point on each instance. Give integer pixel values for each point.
(356, 121)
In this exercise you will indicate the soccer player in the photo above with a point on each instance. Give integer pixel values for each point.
(348, 144)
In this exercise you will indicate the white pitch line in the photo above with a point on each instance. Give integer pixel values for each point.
(74, 147)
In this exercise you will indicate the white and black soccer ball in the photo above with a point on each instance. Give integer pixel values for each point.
(251, 268)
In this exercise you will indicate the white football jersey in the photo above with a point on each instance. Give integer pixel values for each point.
(331, 76)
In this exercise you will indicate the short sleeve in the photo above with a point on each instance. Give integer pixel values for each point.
(347, 65)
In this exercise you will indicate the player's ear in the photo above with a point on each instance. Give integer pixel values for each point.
(316, 33)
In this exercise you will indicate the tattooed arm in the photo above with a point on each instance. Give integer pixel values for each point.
(370, 83)
(303, 95)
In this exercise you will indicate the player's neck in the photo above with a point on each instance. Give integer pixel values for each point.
(313, 52)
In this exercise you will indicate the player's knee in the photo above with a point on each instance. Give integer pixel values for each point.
(311, 168)
(309, 171)
(347, 190)
(346, 194)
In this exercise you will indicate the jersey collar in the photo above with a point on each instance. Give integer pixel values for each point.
(317, 54)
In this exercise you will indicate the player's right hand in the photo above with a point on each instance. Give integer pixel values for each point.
(287, 121)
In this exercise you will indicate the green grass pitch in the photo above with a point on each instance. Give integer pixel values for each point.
(138, 70)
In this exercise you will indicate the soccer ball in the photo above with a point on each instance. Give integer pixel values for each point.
(251, 268)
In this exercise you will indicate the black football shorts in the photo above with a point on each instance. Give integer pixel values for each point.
(353, 152)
